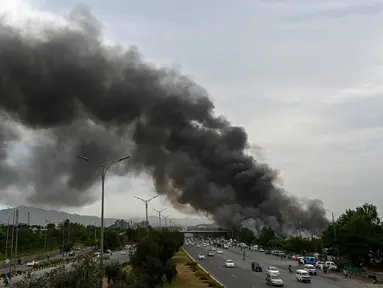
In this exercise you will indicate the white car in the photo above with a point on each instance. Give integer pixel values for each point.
(229, 264)
(201, 256)
(123, 252)
(32, 263)
(273, 271)
(261, 250)
(219, 251)
(330, 265)
(319, 265)
(303, 276)
(198, 246)
(212, 249)
(225, 246)
(310, 269)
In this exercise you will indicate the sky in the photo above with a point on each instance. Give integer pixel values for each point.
(303, 77)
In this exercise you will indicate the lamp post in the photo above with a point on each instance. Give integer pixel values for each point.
(159, 215)
(334, 227)
(166, 219)
(146, 202)
(103, 169)
(7, 237)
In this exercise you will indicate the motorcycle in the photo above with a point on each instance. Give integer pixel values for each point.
(346, 274)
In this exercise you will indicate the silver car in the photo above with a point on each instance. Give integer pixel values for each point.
(274, 280)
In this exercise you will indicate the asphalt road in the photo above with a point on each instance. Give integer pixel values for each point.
(116, 257)
(243, 276)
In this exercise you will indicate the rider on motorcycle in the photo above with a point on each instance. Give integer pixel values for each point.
(290, 269)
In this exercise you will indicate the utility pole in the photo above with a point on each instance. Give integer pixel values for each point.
(29, 218)
(17, 235)
(159, 216)
(146, 202)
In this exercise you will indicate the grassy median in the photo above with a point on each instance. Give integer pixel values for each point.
(189, 274)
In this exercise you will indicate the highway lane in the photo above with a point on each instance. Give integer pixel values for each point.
(229, 277)
(321, 280)
(24, 267)
(247, 278)
(116, 257)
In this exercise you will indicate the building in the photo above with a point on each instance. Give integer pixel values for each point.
(121, 224)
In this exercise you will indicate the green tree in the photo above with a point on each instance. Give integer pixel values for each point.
(267, 234)
(356, 235)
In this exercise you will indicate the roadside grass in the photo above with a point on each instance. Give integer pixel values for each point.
(189, 274)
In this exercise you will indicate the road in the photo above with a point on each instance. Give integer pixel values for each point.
(242, 276)
(116, 257)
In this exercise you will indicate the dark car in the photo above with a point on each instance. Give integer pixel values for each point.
(255, 266)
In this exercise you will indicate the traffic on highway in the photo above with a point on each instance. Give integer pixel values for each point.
(111, 257)
(243, 267)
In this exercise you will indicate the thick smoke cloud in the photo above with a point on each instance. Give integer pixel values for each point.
(85, 98)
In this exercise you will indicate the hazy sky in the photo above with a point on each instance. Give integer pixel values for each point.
(304, 77)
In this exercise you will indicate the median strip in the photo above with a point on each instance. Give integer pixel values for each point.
(202, 273)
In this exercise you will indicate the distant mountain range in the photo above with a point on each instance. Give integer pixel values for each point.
(39, 216)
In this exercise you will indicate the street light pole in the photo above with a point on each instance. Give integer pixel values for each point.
(146, 202)
(7, 237)
(103, 169)
(166, 219)
(334, 227)
(159, 215)
(17, 234)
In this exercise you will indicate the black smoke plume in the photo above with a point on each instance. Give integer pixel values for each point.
(86, 98)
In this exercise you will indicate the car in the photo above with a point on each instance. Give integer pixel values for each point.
(255, 266)
(219, 251)
(225, 246)
(212, 249)
(331, 265)
(310, 268)
(198, 246)
(319, 265)
(210, 254)
(123, 252)
(303, 276)
(272, 271)
(274, 280)
(261, 250)
(33, 263)
(201, 256)
(229, 264)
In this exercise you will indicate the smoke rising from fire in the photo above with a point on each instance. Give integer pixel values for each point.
(87, 98)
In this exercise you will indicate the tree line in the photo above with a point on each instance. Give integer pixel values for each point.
(64, 236)
(150, 266)
(356, 237)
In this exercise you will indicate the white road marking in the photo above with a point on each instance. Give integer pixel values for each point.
(252, 286)
(233, 275)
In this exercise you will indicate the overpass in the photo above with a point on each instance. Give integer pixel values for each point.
(205, 232)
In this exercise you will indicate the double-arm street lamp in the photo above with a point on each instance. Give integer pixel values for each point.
(159, 215)
(146, 202)
(166, 219)
(103, 169)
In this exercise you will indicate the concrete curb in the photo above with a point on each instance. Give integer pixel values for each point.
(203, 269)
